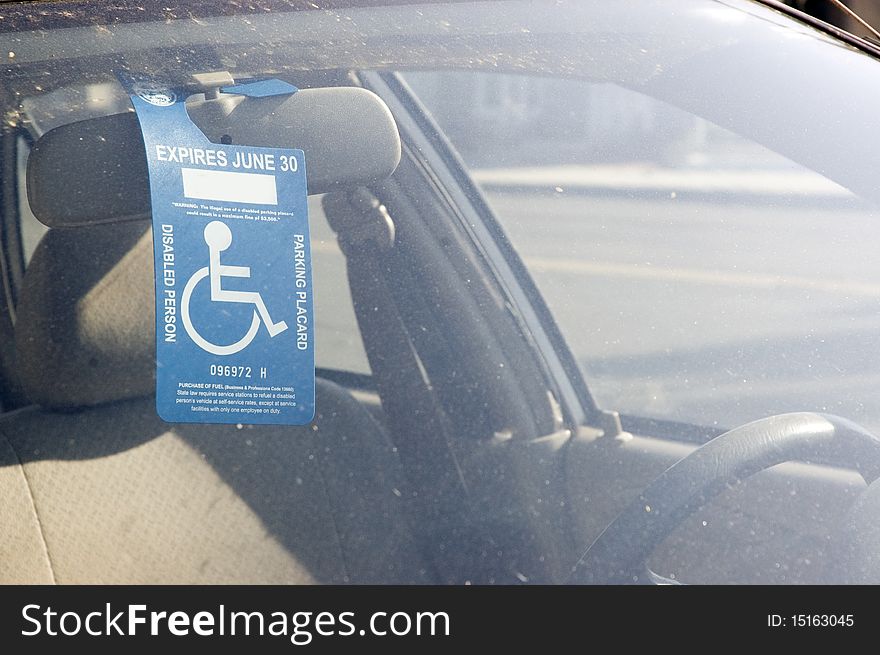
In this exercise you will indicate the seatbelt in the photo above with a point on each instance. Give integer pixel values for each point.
(415, 418)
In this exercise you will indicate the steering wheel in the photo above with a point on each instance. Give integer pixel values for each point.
(620, 553)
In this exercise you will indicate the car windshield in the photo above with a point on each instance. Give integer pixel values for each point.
(607, 233)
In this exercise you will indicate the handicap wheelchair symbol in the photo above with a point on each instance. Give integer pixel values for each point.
(218, 237)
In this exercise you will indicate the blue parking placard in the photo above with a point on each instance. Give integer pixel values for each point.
(234, 321)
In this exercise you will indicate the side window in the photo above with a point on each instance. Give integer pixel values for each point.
(31, 229)
(338, 343)
(696, 275)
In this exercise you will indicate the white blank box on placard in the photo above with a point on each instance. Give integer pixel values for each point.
(226, 186)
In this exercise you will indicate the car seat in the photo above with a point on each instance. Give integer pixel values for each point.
(97, 489)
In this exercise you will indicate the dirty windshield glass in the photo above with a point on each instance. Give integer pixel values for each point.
(553, 250)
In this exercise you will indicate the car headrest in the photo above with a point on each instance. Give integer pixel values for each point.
(85, 320)
(95, 171)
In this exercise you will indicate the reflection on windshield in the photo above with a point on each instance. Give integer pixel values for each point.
(697, 276)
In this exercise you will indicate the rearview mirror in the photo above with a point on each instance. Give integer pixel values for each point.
(95, 171)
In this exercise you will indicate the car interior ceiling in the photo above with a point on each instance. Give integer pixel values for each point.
(460, 403)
